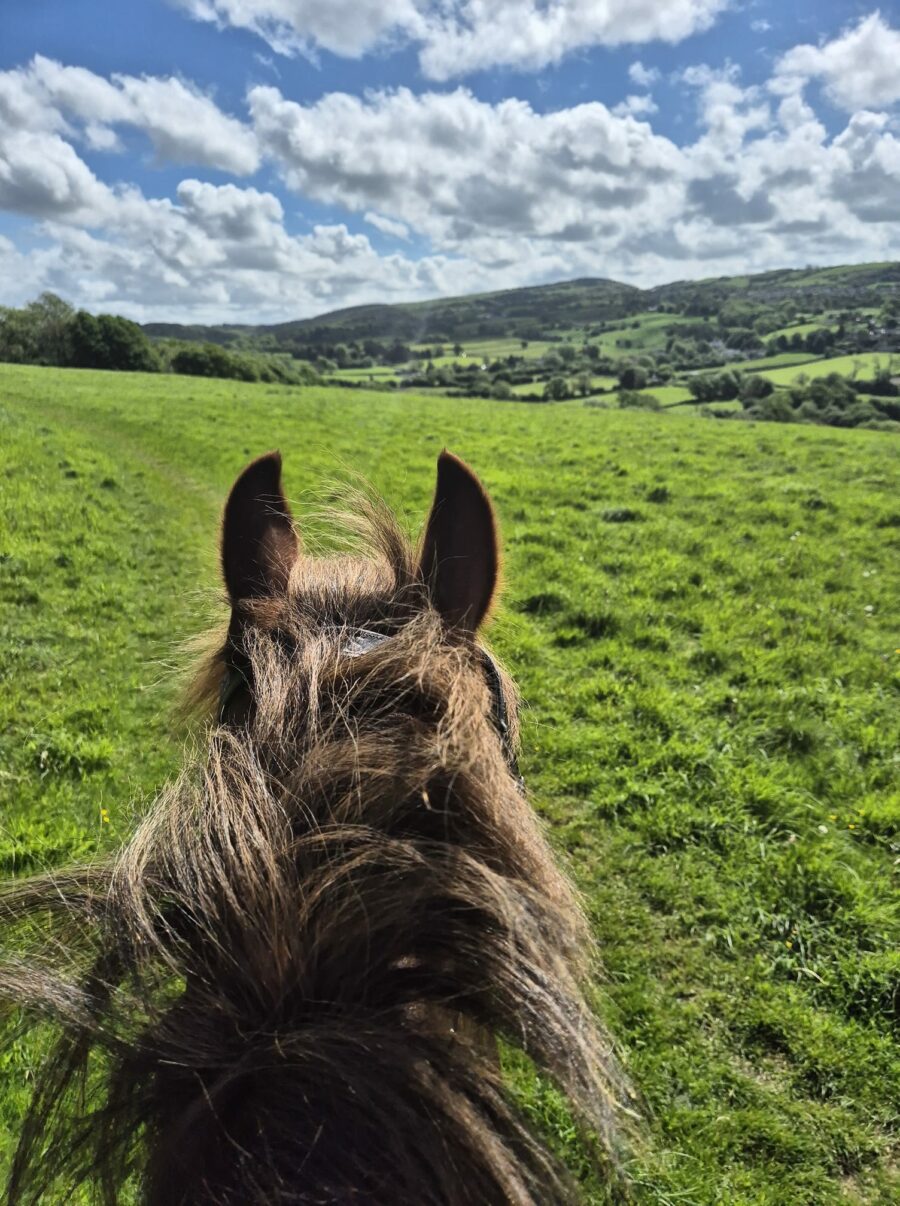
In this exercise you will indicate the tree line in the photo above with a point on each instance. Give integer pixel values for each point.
(48, 331)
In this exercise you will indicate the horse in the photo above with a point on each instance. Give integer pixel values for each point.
(301, 980)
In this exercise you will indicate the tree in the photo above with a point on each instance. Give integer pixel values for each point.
(106, 341)
(51, 320)
(630, 399)
(556, 389)
(584, 384)
(127, 347)
(18, 343)
(753, 387)
(632, 376)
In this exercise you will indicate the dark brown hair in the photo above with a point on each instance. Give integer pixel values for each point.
(290, 984)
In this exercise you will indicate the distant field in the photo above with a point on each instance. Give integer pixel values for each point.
(599, 384)
(650, 333)
(733, 406)
(780, 360)
(668, 395)
(489, 349)
(864, 364)
(800, 328)
(702, 620)
(377, 373)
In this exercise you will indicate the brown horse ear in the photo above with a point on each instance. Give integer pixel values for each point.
(259, 545)
(460, 558)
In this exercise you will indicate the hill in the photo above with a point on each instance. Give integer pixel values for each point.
(505, 313)
(539, 310)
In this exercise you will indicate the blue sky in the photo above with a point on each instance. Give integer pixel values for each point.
(207, 160)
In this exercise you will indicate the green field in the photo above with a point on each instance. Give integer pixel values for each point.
(668, 395)
(863, 365)
(484, 350)
(797, 328)
(530, 388)
(781, 360)
(702, 620)
(643, 333)
(378, 372)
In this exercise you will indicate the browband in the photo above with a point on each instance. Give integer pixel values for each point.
(364, 640)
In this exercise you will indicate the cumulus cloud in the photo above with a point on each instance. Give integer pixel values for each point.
(644, 77)
(472, 35)
(345, 27)
(387, 226)
(635, 106)
(456, 37)
(42, 176)
(217, 253)
(183, 124)
(498, 193)
(456, 168)
(858, 69)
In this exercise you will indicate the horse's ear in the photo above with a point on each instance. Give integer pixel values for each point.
(259, 545)
(460, 557)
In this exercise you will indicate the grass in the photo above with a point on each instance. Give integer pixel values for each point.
(599, 384)
(701, 619)
(650, 334)
(862, 365)
(380, 372)
(489, 349)
(797, 328)
(668, 395)
(781, 360)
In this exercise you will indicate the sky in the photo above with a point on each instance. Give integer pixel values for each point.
(263, 160)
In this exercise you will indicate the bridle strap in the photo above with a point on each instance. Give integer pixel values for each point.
(364, 640)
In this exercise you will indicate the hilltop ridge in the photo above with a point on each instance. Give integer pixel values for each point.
(534, 310)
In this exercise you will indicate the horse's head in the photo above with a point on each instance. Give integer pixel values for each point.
(296, 967)
(455, 573)
(412, 612)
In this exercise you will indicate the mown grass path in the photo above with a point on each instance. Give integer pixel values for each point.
(700, 619)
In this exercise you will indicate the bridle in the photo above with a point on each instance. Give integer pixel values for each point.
(364, 640)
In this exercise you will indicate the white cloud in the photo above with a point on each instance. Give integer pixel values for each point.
(387, 226)
(859, 69)
(216, 253)
(644, 77)
(345, 27)
(455, 168)
(43, 177)
(183, 124)
(472, 35)
(635, 106)
(761, 25)
(460, 36)
(500, 194)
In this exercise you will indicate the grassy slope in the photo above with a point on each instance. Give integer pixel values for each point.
(847, 366)
(699, 617)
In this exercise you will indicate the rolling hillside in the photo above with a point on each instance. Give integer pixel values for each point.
(531, 312)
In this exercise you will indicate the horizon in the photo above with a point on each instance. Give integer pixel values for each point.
(252, 162)
(586, 280)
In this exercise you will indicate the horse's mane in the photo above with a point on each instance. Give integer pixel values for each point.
(288, 986)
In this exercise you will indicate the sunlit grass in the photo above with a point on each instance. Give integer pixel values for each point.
(701, 617)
